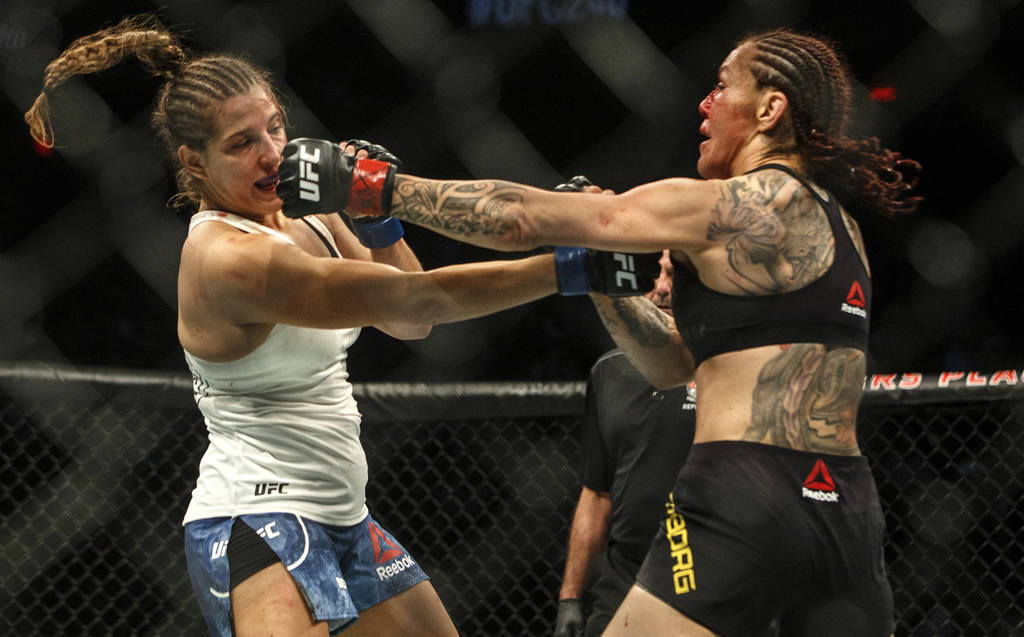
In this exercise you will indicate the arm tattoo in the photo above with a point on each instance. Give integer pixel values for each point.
(458, 208)
(648, 327)
(775, 234)
(806, 398)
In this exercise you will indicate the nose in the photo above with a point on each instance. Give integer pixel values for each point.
(270, 151)
(705, 104)
(662, 292)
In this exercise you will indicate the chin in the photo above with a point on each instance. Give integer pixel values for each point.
(707, 170)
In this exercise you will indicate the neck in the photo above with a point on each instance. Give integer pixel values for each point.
(757, 157)
(274, 220)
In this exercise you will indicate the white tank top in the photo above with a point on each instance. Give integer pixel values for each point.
(282, 422)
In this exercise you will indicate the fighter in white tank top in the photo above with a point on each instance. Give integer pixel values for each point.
(282, 422)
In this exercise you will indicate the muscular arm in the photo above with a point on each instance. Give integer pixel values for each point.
(246, 279)
(506, 216)
(398, 255)
(649, 339)
(586, 539)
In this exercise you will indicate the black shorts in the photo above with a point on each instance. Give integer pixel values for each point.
(758, 539)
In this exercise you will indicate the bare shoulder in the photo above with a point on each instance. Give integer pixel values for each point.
(215, 248)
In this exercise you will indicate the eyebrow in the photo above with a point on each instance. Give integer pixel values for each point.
(245, 131)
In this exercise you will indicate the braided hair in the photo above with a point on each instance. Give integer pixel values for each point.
(862, 174)
(193, 87)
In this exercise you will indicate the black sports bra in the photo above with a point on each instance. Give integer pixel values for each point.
(833, 309)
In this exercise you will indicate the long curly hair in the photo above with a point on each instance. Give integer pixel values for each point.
(809, 69)
(193, 87)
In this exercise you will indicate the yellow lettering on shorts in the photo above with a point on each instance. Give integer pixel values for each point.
(679, 548)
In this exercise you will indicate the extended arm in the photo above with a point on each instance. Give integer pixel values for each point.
(496, 214)
(247, 279)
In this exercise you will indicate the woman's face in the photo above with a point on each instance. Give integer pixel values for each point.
(240, 161)
(729, 112)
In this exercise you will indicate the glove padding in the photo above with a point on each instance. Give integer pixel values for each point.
(318, 177)
(375, 151)
(577, 184)
(569, 622)
(385, 230)
(582, 270)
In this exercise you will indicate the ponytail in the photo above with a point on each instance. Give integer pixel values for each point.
(143, 37)
(193, 87)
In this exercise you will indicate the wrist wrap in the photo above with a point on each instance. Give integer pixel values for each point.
(375, 234)
(571, 271)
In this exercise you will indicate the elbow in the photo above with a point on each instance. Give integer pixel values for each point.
(408, 331)
(676, 374)
(517, 233)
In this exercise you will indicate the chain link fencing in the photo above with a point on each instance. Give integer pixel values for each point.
(478, 481)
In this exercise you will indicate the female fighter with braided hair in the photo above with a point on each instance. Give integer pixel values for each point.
(774, 522)
(279, 540)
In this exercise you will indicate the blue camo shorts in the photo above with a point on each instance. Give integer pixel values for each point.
(340, 570)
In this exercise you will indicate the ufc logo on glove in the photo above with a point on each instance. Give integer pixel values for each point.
(309, 188)
(581, 271)
(626, 274)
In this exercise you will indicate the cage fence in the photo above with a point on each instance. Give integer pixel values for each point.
(478, 480)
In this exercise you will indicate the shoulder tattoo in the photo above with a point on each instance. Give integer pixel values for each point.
(775, 234)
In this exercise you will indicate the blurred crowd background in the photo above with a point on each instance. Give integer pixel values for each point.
(527, 90)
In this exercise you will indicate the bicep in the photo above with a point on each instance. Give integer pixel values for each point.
(257, 280)
(672, 213)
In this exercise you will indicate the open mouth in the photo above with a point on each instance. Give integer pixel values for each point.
(268, 184)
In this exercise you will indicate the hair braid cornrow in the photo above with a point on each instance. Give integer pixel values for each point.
(816, 80)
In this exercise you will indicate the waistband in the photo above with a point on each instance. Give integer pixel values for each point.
(711, 451)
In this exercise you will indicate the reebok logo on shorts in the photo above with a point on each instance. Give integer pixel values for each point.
(818, 485)
(391, 560)
(383, 549)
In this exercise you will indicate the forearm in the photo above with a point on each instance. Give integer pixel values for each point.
(470, 290)
(587, 538)
(485, 213)
(649, 339)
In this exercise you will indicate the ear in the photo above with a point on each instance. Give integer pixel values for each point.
(192, 161)
(770, 110)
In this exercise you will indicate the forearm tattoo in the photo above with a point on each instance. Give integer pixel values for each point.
(806, 398)
(458, 208)
(776, 241)
(642, 323)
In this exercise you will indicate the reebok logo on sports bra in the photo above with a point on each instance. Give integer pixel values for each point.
(855, 303)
